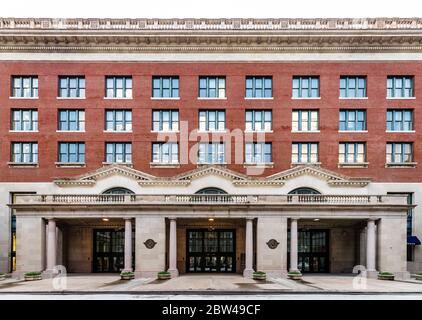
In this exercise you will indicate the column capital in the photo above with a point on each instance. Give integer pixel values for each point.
(172, 218)
(372, 219)
(127, 218)
(249, 218)
(51, 219)
(294, 218)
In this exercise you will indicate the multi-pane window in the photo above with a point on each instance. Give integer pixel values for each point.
(25, 86)
(258, 152)
(259, 87)
(352, 87)
(400, 87)
(305, 87)
(71, 120)
(352, 120)
(212, 87)
(399, 120)
(399, 152)
(72, 87)
(211, 153)
(166, 153)
(258, 120)
(212, 120)
(305, 120)
(25, 152)
(72, 152)
(165, 120)
(305, 152)
(25, 120)
(165, 87)
(119, 87)
(118, 152)
(352, 152)
(118, 120)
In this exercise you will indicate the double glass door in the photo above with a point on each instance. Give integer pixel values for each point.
(211, 250)
(313, 250)
(109, 248)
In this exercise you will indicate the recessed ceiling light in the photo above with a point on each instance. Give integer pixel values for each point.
(211, 219)
(106, 219)
(316, 219)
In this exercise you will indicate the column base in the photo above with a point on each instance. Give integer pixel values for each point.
(247, 273)
(372, 274)
(174, 272)
(127, 270)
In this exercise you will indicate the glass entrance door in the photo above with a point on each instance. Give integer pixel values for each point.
(211, 251)
(313, 251)
(108, 250)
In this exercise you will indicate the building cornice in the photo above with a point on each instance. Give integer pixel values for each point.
(211, 35)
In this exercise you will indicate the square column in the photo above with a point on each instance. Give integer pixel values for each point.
(51, 247)
(173, 248)
(293, 245)
(248, 248)
(128, 245)
(371, 246)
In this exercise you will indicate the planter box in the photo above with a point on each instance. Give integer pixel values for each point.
(164, 276)
(127, 277)
(2, 277)
(419, 277)
(259, 276)
(386, 277)
(295, 276)
(33, 278)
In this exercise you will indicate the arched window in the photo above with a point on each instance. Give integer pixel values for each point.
(304, 190)
(211, 190)
(118, 190)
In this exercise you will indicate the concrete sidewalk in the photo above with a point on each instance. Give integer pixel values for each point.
(206, 284)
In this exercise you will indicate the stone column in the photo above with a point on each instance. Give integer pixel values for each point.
(128, 245)
(51, 245)
(293, 244)
(248, 248)
(173, 248)
(370, 246)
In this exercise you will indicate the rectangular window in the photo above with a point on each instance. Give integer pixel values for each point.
(71, 152)
(212, 120)
(305, 120)
(258, 120)
(118, 152)
(399, 152)
(24, 152)
(118, 120)
(212, 87)
(25, 86)
(119, 87)
(165, 120)
(212, 153)
(400, 87)
(352, 152)
(352, 87)
(352, 120)
(165, 87)
(25, 120)
(166, 153)
(72, 87)
(399, 120)
(259, 87)
(305, 152)
(72, 120)
(258, 152)
(305, 87)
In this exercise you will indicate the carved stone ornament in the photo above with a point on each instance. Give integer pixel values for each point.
(272, 244)
(150, 243)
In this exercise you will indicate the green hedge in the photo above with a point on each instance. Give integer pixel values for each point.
(33, 274)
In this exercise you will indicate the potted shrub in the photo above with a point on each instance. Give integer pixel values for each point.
(385, 276)
(419, 276)
(2, 276)
(259, 275)
(127, 275)
(163, 275)
(31, 276)
(295, 275)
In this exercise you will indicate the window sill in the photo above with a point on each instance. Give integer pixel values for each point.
(23, 164)
(353, 165)
(164, 165)
(70, 164)
(115, 131)
(165, 131)
(295, 164)
(70, 98)
(112, 98)
(23, 131)
(353, 98)
(259, 165)
(314, 131)
(206, 98)
(403, 131)
(128, 164)
(400, 98)
(212, 131)
(263, 98)
(259, 131)
(306, 98)
(353, 131)
(163, 98)
(223, 164)
(401, 165)
(71, 131)
(24, 98)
